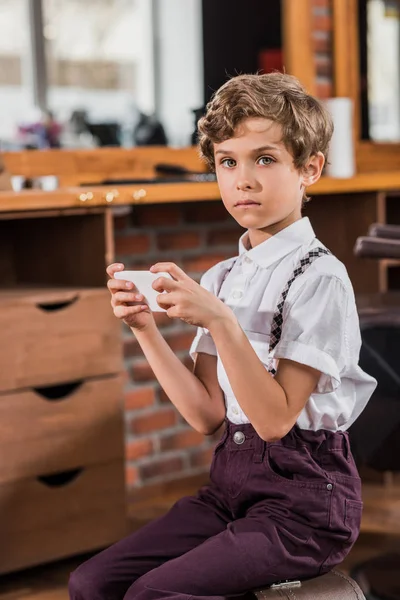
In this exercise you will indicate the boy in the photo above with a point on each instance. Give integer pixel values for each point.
(275, 358)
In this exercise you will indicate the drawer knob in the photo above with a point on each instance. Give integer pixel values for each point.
(84, 196)
(110, 196)
(60, 479)
(139, 194)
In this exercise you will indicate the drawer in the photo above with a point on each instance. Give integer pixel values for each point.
(48, 518)
(57, 428)
(52, 336)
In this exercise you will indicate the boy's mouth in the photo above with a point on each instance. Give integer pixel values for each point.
(248, 202)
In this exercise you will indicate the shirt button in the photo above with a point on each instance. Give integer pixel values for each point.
(239, 437)
(329, 487)
(237, 295)
(235, 410)
(247, 259)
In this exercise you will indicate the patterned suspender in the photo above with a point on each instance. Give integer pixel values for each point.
(277, 321)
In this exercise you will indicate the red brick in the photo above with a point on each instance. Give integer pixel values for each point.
(131, 348)
(324, 89)
(180, 341)
(161, 419)
(160, 467)
(163, 320)
(140, 398)
(157, 215)
(131, 475)
(162, 397)
(202, 458)
(206, 212)
(322, 23)
(224, 237)
(322, 45)
(183, 439)
(142, 372)
(122, 222)
(324, 67)
(138, 448)
(188, 362)
(178, 241)
(203, 263)
(138, 265)
(132, 244)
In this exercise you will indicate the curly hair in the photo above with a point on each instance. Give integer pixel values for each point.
(307, 126)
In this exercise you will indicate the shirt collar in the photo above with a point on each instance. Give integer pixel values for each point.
(287, 240)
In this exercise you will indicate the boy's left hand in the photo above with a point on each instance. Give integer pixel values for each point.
(186, 299)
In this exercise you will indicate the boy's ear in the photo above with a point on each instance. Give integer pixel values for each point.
(312, 170)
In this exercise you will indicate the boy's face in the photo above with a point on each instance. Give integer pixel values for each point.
(259, 184)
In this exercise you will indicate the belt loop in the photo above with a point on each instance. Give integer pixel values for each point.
(259, 449)
(347, 449)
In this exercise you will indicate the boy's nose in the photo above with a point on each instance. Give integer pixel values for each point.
(245, 182)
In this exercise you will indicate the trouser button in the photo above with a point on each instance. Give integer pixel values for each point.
(239, 437)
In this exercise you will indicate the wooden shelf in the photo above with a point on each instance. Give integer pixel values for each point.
(94, 196)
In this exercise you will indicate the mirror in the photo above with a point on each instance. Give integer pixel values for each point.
(124, 72)
(379, 44)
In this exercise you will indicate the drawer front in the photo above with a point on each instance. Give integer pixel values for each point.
(58, 428)
(52, 337)
(42, 520)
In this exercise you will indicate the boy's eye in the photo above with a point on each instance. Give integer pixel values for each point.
(265, 160)
(228, 162)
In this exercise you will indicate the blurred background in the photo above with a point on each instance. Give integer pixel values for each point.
(99, 103)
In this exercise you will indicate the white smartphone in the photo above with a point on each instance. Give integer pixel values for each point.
(143, 281)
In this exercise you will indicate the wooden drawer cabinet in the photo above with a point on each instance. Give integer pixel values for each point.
(60, 427)
(52, 517)
(62, 469)
(56, 335)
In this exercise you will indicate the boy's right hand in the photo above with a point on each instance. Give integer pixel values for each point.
(126, 301)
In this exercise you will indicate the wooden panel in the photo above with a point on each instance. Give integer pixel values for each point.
(351, 216)
(55, 336)
(378, 157)
(44, 520)
(60, 428)
(75, 167)
(298, 44)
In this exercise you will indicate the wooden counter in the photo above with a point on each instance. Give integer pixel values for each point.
(100, 195)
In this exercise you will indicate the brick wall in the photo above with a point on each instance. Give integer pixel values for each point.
(322, 38)
(160, 446)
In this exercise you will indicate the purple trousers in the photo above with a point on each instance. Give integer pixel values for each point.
(273, 511)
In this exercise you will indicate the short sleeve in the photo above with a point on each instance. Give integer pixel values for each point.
(203, 341)
(314, 329)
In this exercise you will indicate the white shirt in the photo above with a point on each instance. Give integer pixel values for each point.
(320, 323)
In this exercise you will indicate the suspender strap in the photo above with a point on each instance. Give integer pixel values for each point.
(277, 321)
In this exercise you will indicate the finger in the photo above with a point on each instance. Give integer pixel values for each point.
(166, 300)
(122, 312)
(122, 297)
(172, 312)
(163, 283)
(113, 268)
(115, 285)
(171, 268)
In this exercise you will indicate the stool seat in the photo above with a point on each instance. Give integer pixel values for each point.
(332, 586)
